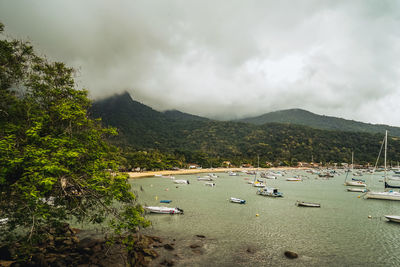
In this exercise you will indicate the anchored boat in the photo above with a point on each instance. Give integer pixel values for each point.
(393, 218)
(163, 210)
(307, 204)
(237, 200)
(269, 192)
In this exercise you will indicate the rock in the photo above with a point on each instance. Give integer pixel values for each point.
(150, 252)
(88, 242)
(156, 239)
(195, 246)
(168, 247)
(251, 250)
(68, 242)
(39, 260)
(291, 254)
(201, 236)
(167, 262)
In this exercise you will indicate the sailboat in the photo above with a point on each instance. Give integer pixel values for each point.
(386, 195)
(353, 182)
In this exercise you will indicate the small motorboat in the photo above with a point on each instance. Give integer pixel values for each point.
(355, 183)
(307, 204)
(163, 210)
(258, 184)
(269, 192)
(393, 218)
(210, 184)
(237, 200)
(165, 201)
(181, 181)
(205, 178)
(359, 190)
(294, 179)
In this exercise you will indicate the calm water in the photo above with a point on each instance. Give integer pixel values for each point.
(337, 234)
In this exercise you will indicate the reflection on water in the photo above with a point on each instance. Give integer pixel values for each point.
(337, 234)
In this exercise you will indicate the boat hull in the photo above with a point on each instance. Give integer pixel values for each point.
(308, 204)
(383, 195)
(393, 218)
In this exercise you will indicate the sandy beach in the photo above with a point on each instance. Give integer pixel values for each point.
(135, 175)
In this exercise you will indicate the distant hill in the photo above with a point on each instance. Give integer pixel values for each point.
(198, 139)
(304, 117)
(177, 115)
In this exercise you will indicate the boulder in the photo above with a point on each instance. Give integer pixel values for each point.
(168, 247)
(291, 254)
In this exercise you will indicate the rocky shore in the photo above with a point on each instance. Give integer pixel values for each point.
(63, 247)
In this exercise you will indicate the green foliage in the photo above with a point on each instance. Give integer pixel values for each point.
(55, 162)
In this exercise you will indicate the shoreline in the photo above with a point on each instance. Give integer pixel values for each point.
(146, 174)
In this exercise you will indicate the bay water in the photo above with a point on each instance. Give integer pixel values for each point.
(346, 231)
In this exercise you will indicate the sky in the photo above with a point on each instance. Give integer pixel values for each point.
(225, 59)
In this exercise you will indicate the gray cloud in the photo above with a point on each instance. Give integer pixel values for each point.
(226, 59)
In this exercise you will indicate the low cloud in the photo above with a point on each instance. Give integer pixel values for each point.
(226, 59)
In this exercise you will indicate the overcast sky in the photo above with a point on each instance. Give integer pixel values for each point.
(226, 59)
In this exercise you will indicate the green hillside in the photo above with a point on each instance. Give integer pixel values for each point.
(142, 128)
(303, 117)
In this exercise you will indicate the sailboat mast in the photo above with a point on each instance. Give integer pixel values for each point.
(385, 152)
(352, 162)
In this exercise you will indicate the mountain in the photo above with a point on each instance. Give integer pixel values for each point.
(303, 117)
(198, 139)
(177, 115)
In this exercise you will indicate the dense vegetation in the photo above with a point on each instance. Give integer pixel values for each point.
(306, 118)
(55, 164)
(210, 143)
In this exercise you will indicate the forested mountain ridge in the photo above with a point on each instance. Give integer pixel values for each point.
(304, 117)
(202, 141)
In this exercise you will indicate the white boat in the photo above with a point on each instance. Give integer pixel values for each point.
(209, 184)
(294, 179)
(205, 178)
(237, 200)
(258, 184)
(181, 181)
(163, 210)
(269, 192)
(393, 218)
(307, 204)
(385, 195)
(233, 174)
(212, 175)
(360, 190)
(355, 183)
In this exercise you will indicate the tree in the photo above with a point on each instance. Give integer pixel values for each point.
(55, 162)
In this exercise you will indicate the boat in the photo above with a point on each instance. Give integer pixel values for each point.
(209, 184)
(163, 210)
(393, 218)
(354, 181)
(233, 173)
(181, 181)
(237, 200)
(165, 201)
(258, 184)
(212, 175)
(294, 179)
(307, 204)
(269, 192)
(385, 195)
(204, 179)
(360, 190)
